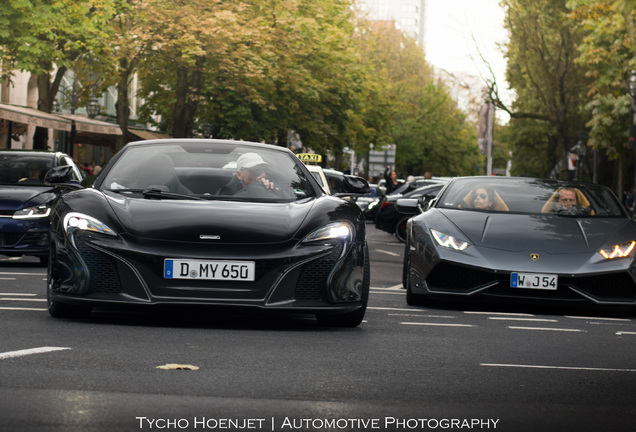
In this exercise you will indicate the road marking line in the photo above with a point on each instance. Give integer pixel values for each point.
(22, 309)
(395, 309)
(598, 319)
(388, 252)
(625, 333)
(423, 316)
(497, 313)
(545, 329)
(387, 293)
(22, 274)
(521, 319)
(22, 299)
(30, 351)
(391, 288)
(17, 294)
(9, 279)
(556, 367)
(437, 324)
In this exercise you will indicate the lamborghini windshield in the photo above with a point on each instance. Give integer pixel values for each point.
(530, 196)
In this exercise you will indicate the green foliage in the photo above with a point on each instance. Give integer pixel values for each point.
(262, 70)
(430, 132)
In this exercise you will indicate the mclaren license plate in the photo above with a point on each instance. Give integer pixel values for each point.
(209, 270)
(534, 281)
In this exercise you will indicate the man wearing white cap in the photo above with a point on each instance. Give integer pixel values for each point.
(250, 178)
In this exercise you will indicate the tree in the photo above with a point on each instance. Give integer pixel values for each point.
(550, 86)
(46, 38)
(430, 132)
(608, 53)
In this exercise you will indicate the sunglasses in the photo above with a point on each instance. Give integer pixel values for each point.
(481, 195)
(567, 199)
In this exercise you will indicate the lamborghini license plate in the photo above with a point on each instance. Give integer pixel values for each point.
(209, 270)
(534, 281)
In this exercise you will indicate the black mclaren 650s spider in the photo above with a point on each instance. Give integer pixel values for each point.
(521, 238)
(208, 222)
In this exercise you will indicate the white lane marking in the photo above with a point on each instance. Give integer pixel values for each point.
(556, 367)
(22, 309)
(30, 351)
(22, 299)
(598, 319)
(17, 294)
(521, 319)
(395, 309)
(437, 324)
(387, 252)
(497, 313)
(391, 288)
(625, 333)
(12, 279)
(545, 329)
(423, 316)
(387, 293)
(22, 274)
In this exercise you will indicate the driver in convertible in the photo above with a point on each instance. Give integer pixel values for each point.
(568, 201)
(250, 180)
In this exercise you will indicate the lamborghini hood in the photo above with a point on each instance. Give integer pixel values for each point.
(551, 233)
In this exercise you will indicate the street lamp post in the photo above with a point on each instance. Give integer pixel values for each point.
(92, 108)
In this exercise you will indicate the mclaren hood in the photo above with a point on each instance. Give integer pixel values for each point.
(224, 221)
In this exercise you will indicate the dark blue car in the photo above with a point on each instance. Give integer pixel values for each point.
(25, 201)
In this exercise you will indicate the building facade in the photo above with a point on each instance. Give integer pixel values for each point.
(409, 15)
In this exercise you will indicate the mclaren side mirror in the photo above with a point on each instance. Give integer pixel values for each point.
(354, 185)
(61, 176)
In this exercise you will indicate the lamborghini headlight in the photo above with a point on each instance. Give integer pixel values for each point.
(338, 230)
(37, 212)
(618, 251)
(79, 221)
(448, 241)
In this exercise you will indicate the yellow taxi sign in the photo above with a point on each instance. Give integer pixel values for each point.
(310, 157)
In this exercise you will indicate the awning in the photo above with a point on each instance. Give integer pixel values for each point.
(147, 135)
(24, 115)
(85, 124)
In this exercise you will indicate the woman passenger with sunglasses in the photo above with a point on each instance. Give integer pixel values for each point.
(482, 199)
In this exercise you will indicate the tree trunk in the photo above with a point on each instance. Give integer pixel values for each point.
(122, 106)
(179, 126)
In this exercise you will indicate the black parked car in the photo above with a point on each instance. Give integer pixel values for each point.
(209, 222)
(25, 201)
(390, 220)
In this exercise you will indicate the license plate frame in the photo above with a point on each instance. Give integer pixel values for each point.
(538, 281)
(214, 270)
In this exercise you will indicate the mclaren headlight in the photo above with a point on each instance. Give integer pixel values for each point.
(338, 230)
(618, 251)
(37, 212)
(448, 241)
(81, 222)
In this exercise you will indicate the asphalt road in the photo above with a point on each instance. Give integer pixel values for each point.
(448, 367)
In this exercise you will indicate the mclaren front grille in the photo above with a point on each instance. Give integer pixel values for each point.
(314, 278)
(103, 277)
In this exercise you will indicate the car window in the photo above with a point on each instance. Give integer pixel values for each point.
(24, 169)
(211, 171)
(531, 196)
